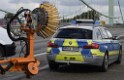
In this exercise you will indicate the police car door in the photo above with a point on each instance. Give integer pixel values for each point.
(115, 44)
(110, 44)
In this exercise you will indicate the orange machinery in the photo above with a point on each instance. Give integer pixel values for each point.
(43, 21)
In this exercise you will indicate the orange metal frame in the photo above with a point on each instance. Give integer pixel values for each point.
(27, 64)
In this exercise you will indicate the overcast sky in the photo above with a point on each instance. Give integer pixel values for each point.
(65, 7)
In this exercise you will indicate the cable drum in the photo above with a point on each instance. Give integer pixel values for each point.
(47, 20)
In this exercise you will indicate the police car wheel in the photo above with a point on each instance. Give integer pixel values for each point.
(119, 57)
(53, 65)
(104, 66)
(1, 53)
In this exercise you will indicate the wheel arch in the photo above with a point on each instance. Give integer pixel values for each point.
(121, 47)
(107, 53)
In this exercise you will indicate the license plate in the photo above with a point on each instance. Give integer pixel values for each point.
(69, 58)
(74, 49)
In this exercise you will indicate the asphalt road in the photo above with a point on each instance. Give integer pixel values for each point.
(78, 72)
(72, 72)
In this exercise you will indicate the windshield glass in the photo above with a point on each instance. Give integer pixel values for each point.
(74, 34)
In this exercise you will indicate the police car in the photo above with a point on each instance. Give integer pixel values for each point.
(83, 44)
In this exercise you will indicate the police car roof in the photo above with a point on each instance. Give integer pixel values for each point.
(77, 26)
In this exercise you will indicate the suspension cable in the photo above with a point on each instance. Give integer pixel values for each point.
(111, 17)
(120, 11)
(5, 11)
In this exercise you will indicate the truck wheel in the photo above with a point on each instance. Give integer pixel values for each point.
(1, 53)
(53, 65)
(119, 57)
(104, 66)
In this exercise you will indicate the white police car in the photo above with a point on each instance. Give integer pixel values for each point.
(7, 46)
(79, 44)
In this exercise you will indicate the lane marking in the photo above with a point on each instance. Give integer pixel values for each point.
(40, 54)
(44, 67)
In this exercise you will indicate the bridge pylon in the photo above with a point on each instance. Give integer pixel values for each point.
(111, 11)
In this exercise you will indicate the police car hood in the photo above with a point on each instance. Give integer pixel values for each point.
(4, 38)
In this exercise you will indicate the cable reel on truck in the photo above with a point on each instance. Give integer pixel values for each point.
(43, 21)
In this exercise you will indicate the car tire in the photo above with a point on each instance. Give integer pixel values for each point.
(105, 64)
(119, 57)
(1, 53)
(53, 65)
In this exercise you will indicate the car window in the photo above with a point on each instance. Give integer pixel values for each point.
(98, 34)
(74, 33)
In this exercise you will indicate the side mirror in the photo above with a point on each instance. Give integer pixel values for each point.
(115, 37)
(120, 37)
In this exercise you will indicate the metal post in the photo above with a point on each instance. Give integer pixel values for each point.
(111, 11)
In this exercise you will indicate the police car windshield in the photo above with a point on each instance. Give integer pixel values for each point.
(74, 33)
